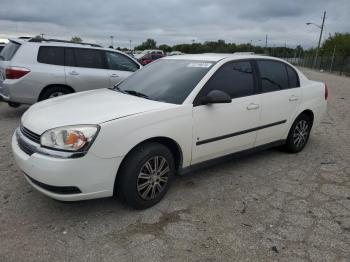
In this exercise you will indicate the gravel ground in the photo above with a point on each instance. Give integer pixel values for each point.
(267, 206)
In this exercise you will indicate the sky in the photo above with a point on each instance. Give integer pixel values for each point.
(175, 21)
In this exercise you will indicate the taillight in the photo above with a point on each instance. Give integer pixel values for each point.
(325, 92)
(16, 72)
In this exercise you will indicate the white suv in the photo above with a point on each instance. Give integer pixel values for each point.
(37, 69)
(171, 116)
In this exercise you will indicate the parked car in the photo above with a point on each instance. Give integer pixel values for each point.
(37, 69)
(148, 58)
(176, 114)
(139, 54)
(2, 45)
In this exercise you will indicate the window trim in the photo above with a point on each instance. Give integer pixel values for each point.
(196, 100)
(255, 62)
(127, 57)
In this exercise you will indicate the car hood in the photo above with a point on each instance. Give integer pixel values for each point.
(91, 107)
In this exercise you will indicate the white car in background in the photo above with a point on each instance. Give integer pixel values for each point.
(171, 116)
(37, 69)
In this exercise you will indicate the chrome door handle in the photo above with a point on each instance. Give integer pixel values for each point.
(293, 98)
(252, 106)
(114, 75)
(74, 73)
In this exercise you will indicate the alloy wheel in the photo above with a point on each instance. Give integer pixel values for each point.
(301, 133)
(153, 177)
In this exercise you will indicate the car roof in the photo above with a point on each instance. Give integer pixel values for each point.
(214, 57)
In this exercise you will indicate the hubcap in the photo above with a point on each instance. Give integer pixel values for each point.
(300, 134)
(56, 94)
(153, 177)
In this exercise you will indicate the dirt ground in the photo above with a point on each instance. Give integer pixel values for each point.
(263, 207)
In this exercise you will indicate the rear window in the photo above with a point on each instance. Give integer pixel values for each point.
(51, 55)
(273, 75)
(9, 51)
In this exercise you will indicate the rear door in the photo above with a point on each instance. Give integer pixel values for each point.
(119, 67)
(86, 69)
(280, 99)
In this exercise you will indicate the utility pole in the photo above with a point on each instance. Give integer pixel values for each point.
(266, 42)
(333, 56)
(319, 40)
(130, 44)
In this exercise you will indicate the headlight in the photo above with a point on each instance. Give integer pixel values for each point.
(70, 138)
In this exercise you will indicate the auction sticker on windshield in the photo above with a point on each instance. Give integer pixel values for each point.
(203, 65)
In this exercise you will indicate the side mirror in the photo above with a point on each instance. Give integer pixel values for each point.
(216, 97)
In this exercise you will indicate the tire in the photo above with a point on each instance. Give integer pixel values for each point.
(14, 104)
(299, 133)
(136, 177)
(54, 91)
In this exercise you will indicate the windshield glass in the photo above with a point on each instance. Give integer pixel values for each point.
(166, 80)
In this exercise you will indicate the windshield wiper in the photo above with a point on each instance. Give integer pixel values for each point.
(135, 93)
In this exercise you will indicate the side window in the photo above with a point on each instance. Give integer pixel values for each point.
(89, 58)
(234, 78)
(69, 57)
(121, 62)
(273, 75)
(293, 77)
(51, 55)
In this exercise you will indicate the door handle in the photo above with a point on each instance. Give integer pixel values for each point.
(114, 75)
(293, 98)
(252, 106)
(74, 73)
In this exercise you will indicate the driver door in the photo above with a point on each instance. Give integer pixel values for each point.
(221, 129)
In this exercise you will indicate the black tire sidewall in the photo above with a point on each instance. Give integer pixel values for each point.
(291, 147)
(130, 169)
(46, 94)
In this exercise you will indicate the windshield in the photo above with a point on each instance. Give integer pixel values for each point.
(166, 80)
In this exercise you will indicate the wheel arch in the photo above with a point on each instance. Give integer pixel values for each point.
(170, 143)
(310, 114)
(54, 85)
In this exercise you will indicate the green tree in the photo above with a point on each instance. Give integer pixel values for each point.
(340, 41)
(165, 48)
(148, 44)
(76, 39)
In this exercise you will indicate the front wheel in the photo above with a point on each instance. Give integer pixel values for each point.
(299, 134)
(145, 175)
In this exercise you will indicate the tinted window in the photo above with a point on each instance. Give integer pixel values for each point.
(167, 80)
(293, 77)
(1, 47)
(156, 56)
(234, 78)
(273, 75)
(118, 61)
(9, 51)
(69, 57)
(51, 55)
(90, 58)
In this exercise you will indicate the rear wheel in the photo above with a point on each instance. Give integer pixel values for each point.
(146, 175)
(299, 134)
(54, 91)
(14, 104)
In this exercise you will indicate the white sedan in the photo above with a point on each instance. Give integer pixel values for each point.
(173, 115)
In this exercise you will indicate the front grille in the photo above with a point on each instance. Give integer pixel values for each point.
(30, 135)
(63, 190)
(25, 148)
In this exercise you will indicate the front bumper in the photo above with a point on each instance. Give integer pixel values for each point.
(93, 176)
